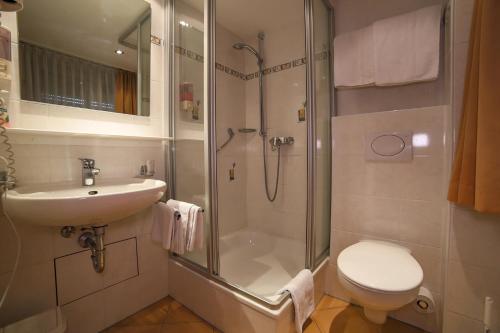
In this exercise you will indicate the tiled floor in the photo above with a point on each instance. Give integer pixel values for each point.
(335, 316)
(331, 316)
(165, 316)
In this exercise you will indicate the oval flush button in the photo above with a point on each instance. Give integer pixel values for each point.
(387, 145)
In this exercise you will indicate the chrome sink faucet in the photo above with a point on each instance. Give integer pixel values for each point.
(89, 171)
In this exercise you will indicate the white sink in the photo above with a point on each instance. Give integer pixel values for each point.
(62, 204)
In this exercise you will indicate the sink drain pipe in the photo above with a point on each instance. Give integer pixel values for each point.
(94, 239)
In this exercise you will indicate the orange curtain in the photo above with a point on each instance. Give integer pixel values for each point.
(126, 92)
(475, 180)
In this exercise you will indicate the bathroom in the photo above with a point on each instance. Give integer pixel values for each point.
(315, 158)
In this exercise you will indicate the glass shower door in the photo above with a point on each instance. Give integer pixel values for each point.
(187, 123)
(261, 136)
(323, 93)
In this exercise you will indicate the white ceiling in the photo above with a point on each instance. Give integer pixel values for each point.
(246, 18)
(85, 28)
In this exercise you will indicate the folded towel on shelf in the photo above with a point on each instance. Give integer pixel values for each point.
(164, 218)
(188, 229)
(407, 47)
(353, 58)
(301, 288)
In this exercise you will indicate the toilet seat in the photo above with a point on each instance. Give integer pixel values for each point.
(380, 266)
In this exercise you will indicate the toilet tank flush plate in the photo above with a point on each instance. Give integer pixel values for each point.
(389, 146)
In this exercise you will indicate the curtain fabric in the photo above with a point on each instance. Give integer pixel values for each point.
(52, 77)
(126, 92)
(475, 180)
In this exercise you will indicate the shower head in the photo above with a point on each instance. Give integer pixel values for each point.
(241, 46)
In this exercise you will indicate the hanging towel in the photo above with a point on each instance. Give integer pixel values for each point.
(475, 179)
(195, 232)
(353, 58)
(407, 47)
(301, 287)
(188, 229)
(164, 218)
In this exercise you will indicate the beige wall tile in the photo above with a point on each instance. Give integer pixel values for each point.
(462, 20)
(455, 323)
(467, 285)
(474, 237)
(32, 291)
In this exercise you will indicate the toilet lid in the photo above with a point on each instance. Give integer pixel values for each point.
(380, 266)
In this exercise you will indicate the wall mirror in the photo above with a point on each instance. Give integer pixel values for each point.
(92, 54)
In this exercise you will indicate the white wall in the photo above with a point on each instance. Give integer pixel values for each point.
(51, 117)
(355, 14)
(473, 268)
(136, 272)
(125, 287)
(400, 202)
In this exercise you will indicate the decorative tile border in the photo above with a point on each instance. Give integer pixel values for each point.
(270, 70)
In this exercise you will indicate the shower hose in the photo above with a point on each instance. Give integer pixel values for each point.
(264, 152)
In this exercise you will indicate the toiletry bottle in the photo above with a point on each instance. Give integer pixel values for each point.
(302, 112)
(196, 111)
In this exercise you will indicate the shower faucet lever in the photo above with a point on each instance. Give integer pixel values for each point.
(278, 141)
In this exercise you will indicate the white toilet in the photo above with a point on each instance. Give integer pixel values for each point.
(380, 276)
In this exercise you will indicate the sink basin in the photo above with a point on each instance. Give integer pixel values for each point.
(62, 204)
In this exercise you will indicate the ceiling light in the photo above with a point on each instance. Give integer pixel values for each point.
(119, 52)
(184, 24)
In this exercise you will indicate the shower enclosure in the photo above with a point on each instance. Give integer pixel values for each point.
(250, 109)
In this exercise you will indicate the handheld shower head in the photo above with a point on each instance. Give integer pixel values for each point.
(241, 46)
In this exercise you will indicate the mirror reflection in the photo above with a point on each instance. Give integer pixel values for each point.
(85, 54)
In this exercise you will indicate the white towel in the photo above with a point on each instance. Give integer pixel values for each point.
(188, 229)
(407, 47)
(163, 224)
(195, 232)
(301, 287)
(353, 58)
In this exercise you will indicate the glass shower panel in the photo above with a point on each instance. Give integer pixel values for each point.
(321, 14)
(187, 148)
(261, 135)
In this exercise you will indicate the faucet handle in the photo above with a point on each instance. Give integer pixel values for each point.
(87, 163)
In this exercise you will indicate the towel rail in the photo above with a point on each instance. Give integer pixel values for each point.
(202, 209)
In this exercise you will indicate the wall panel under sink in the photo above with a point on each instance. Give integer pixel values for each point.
(76, 278)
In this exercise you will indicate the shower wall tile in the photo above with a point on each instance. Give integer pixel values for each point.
(281, 44)
(400, 202)
(284, 94)
(230, 99)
